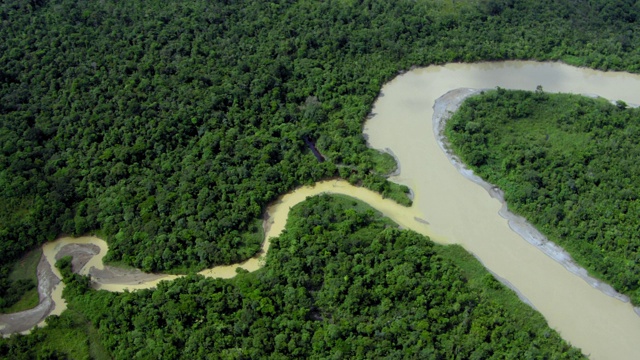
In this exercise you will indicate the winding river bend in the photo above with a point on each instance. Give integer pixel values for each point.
(452, 209)
(461, 211)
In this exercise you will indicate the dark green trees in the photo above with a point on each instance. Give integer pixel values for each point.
(568, 164)
(339, 282)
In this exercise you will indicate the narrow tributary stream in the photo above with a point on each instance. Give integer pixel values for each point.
(452, 209)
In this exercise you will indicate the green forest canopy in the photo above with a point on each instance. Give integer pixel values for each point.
(340, 282)
(569, 164)
(170, 126)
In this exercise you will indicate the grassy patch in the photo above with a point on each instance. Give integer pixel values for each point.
(353, 203)
(28, 301)
(25, 269)
(398, 193)
(357, 205)
(120, 264)
(68, 336)
(73, 335)
(69, 341)
(383, 163)
(573, 60)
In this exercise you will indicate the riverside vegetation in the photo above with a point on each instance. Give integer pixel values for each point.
(340, 282)
(567, 163)
(169, 127)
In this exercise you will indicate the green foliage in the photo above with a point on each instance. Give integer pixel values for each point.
(567, 163)
(64, 265)
(340, 282)
(170, 126)
(18, 289)
(383, 163)
(77, 284)
(68, 336)
(14, 291)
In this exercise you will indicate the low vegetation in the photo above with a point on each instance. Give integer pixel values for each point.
(68, 336)
(21, 291)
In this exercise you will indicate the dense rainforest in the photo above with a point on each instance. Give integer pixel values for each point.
(570, 164)
(168, 127)
(340, 282)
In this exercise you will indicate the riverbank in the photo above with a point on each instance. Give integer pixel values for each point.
(454, 210)
(90, 251)
(461, 212)
(444, 108)
(21, 322)
(87, 253)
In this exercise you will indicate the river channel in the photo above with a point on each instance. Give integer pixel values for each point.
(463, 212)
(452, 209)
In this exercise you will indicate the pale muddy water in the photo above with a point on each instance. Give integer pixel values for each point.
(278, 214)
(452, 209)
(461, 211)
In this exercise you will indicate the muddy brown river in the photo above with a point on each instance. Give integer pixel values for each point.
(451, 208)
(463, 212)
